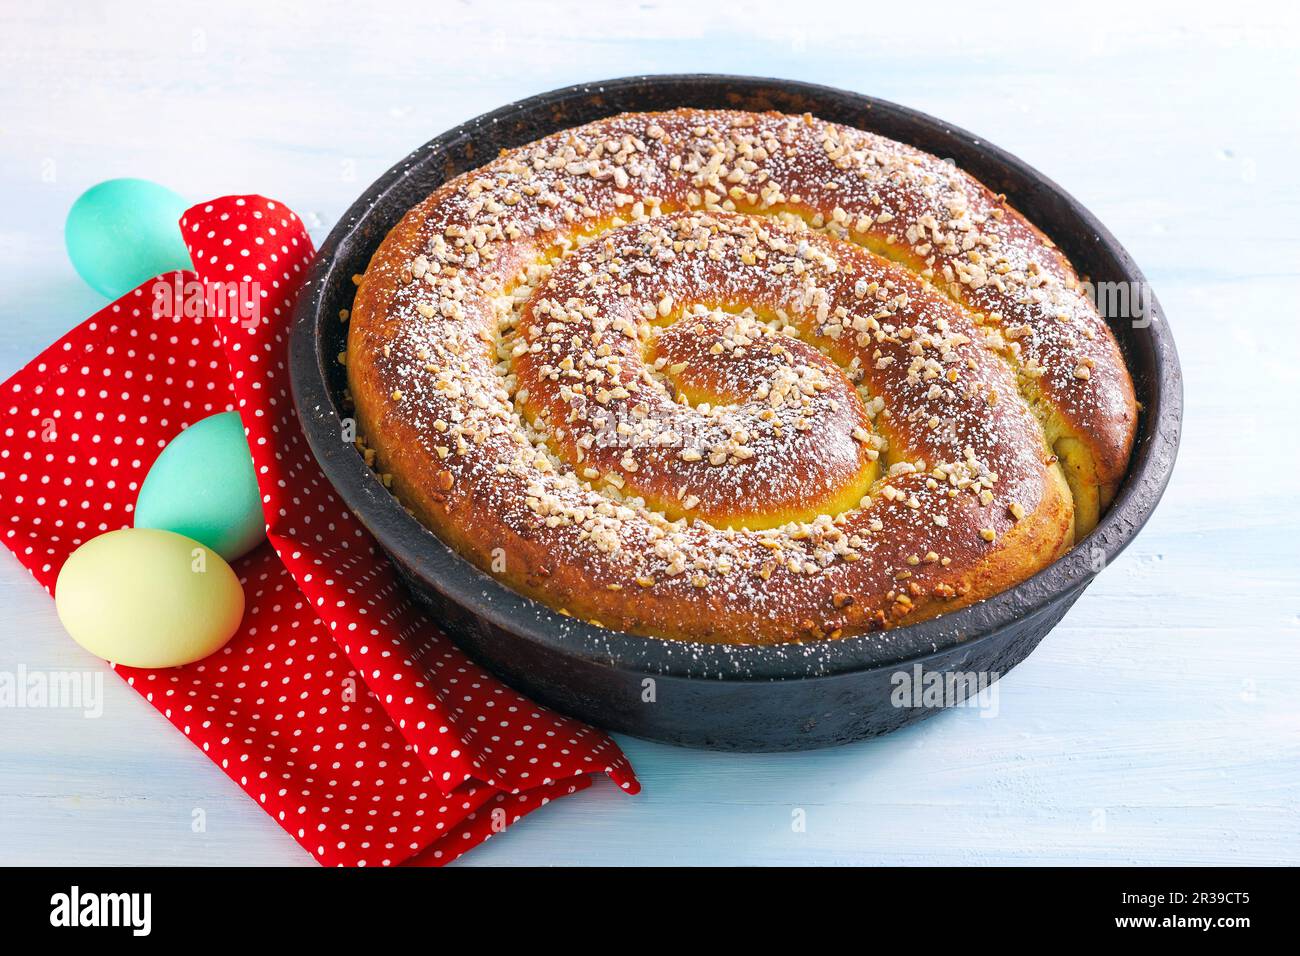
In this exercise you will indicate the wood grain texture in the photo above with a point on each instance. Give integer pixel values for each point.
(1160, 723)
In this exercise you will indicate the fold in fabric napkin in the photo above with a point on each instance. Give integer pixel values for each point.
(339, 707)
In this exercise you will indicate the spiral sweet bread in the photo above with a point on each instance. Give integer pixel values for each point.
(736, 377)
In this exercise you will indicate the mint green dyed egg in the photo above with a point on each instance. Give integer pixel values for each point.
(203, 486)
(123, 232)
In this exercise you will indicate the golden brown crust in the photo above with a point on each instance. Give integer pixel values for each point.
(647, 372)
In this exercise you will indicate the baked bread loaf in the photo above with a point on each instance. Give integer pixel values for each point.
(734, 377)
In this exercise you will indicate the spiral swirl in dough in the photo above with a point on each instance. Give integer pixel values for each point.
(656, 372)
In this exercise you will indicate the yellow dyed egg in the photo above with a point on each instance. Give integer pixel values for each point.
(148, 598)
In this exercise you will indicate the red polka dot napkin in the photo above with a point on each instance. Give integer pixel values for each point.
(339, 707)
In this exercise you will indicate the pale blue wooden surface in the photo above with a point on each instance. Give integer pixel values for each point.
(1160, 723)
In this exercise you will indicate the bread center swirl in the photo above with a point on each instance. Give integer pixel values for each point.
(645, 363)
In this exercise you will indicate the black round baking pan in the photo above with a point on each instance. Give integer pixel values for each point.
(735, 697)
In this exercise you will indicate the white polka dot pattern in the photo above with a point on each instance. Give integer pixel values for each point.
(342, 710)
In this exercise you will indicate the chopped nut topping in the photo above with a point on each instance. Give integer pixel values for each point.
(643, 433)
